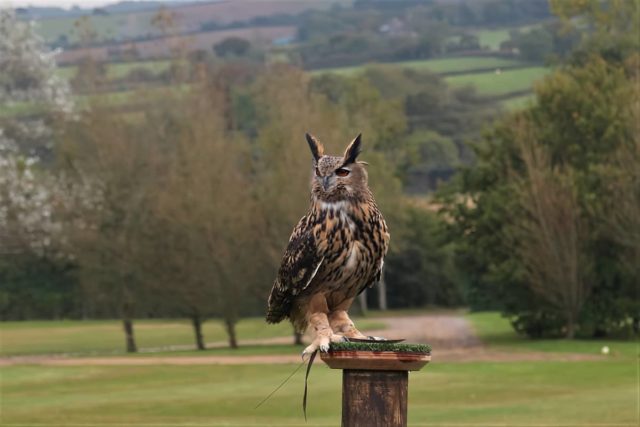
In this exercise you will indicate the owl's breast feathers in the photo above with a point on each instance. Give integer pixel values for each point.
(337, 247)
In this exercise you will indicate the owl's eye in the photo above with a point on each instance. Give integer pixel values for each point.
(342, 172)
(318, 172)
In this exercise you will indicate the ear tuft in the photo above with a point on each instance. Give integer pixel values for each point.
(317, 149)
(353, 150)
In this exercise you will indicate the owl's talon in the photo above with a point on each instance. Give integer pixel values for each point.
(307, 352)
(338, 338)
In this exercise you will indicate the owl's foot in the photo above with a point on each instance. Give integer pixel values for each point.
(321, 342)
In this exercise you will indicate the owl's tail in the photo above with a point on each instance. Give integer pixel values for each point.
(279, 305)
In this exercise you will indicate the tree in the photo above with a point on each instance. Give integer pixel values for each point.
(552, 232)
(108, 155)
(232, 46)
(30, 237)
(209, 243)
(548, 194)
(534, 45)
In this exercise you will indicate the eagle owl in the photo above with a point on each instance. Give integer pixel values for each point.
(335, 252)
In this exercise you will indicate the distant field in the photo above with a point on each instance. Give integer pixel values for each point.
(106, 336)
(445, 65)
(508, 81)
(122, 26)
(120, 69)
(491, 38)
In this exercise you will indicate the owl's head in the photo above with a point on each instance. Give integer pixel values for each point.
(337, 178)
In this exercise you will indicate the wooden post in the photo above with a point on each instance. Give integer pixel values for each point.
(375, 384)
(374, 398)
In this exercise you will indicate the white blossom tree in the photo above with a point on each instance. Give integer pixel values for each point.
(28, 194)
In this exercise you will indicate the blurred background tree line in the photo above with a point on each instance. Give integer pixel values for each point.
(179, 202)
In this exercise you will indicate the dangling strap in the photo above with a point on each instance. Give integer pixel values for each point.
(280, 386)
(306, 377)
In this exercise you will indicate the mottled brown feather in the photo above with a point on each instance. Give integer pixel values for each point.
(337, 249)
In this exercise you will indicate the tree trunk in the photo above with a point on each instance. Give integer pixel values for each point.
(571, 327)
(297, 338)
(362, 300)
(230, 325)
(127, 323)
(196, 321)
(382, 292)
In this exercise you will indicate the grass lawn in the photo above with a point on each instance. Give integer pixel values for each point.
(444, 65)
(547, 393)
(496, 331)
(106, 336)
(508, 81)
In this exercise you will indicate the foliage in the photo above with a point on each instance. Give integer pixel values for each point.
(232, 46)
(34, 265)
(27, 68)
(534, 45)
(420, 272)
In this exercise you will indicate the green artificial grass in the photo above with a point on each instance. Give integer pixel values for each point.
(381, 346)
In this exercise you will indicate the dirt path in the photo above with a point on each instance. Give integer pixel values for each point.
(450, 335)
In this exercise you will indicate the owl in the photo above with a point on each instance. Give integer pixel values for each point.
(335, 252)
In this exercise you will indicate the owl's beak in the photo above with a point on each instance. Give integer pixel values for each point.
(326, 183)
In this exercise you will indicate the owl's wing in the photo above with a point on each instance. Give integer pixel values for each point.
(299, 266)
(382, 245)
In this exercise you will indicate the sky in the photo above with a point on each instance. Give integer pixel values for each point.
(59, 3)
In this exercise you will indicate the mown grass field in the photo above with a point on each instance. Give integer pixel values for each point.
(514, 394)
(503, 83)
(444, 65)
(542, 393)
(106, 336)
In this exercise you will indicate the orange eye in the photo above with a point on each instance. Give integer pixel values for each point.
(342, 172)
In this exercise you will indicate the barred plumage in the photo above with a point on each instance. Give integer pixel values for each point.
(335, 251)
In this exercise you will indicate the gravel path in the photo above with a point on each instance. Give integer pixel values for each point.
(450, 335)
